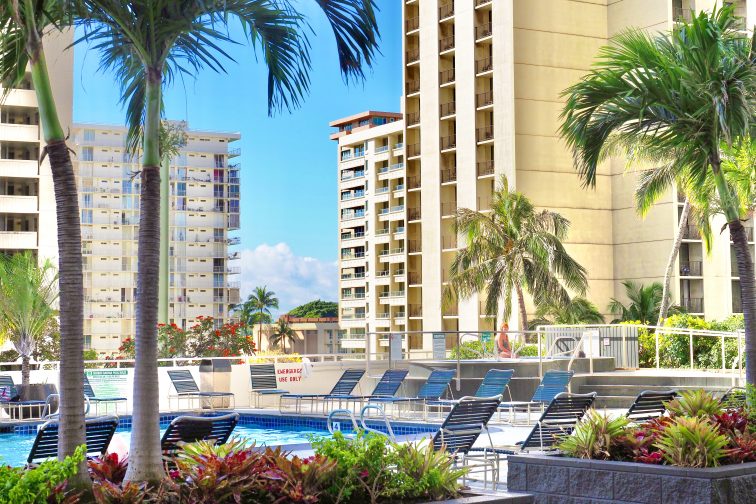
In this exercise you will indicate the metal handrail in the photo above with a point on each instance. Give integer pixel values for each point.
(329, 421)
(365, 428)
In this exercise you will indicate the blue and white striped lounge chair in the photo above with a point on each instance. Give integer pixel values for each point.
(99, 432)
(386, 387)
(186, 388)
(264, 383)
(553, 382)
(650, 404)
(495, 383)
(190, 429)
(96, 401)
(343, 389)
(432, 390)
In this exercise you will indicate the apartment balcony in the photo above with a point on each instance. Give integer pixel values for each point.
(485, 168)
(450, 311)
(413, 183)
(18, 240)
(413, 56)
(448, 175)
(693, 305)
(691, 233)
(349, 296)
(415, 278)
(19, 168)
(398, 146)
(352, 236)
(396, 166)
(484, 134)
(484, 204)
(353, 276)
(446, 11)
(483, 100)
(414, 246)
(691, 268)
(414, 214)
(383, 316)
(383, 320)
(352, 175)
(448, 109)
(480, 3)
(413, 150)
(483, 66)
(449, 243)
(448, 208)
(412, 24)
(448, 142)
(415, 311)
(19, 132)
(413, 87)
(483, 31)
(446, 76)
(18, 204)
(446, 44)
(352, 255)
(412, 118)
(749, 233)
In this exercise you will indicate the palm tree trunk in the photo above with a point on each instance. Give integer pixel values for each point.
(259, 333)
(664, 307)
(745, 268)
(25, 372)
(523, 311)
(70, 282)
(144, 457)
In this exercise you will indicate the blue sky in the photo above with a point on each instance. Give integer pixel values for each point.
(289, 206)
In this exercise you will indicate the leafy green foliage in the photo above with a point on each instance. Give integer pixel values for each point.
(315, 309)
(44, 482)
(694, 403)
(473, 350)
(644, 303)
(371, 469)
(692, 442)
(282, 332)
(596, 437)
(577, 311)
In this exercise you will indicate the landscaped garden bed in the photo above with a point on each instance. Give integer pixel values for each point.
(700, 453)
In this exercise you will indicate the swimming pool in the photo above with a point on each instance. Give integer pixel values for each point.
(263, 430)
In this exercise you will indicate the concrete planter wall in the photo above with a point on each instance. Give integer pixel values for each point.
(553, 479)
(499, 498)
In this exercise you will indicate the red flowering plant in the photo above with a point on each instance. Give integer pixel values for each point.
(229, 340)
(127, 349)
(172, 341)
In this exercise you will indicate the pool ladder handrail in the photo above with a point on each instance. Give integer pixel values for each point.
(389, 430)
(56, 416)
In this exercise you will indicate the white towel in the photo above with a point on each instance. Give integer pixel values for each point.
(306, 367)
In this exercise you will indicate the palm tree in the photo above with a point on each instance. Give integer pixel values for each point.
(644, 303)
(688, 92)
(514, 248)
(27, 294)
(147, 43)
(577, 311)
(281, 333)
(23, 27)
(260, 302)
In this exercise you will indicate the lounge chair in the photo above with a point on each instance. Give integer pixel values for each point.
(495, 383)
(734, 398)
(15, 408)
(264, 383)
(558, 420)
(432, 390)
(99, 432)
(386, 387)
(650, 404)
(553, 382)
(186, 388)
(189, 429)
(343, 389)
(96, 401)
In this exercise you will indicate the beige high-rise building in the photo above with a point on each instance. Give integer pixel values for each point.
(27, 198)
(482, 85)
(204, 180)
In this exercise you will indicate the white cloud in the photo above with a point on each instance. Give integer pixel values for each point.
(294, 279)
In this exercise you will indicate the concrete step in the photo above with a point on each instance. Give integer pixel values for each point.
(634, 390)
(692, 381)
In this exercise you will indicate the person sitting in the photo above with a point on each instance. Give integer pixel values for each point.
(502, 342)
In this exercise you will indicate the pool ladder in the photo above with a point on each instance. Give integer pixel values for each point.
(335, 426)
(46, 411)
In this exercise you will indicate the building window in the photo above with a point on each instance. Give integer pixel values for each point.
(87, 154)
(89, 135)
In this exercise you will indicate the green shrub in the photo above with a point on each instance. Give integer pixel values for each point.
(695, 403)
(692, 442)
(43, 483)
(596, 437)
(473, 350)
(525, 349)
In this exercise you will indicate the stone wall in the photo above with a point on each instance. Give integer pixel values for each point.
(554, 479)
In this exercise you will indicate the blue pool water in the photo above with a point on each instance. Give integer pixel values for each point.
(267, 430)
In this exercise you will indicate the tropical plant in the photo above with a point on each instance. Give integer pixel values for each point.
(147, 44)
(692, 442)
(25, 26)
(282, 332)
(260, 301)
(315, 309)
(694, 403)
(597, 437)
(577, 311)
(46, 482)
(643, 305)
(27, 295)
(679, 95)
(514, 248)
